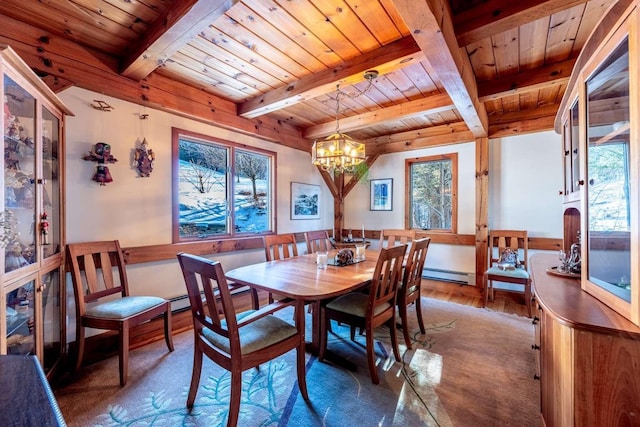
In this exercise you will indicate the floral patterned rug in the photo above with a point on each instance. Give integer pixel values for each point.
(472, 367)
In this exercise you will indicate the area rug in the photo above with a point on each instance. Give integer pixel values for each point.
(473, 367)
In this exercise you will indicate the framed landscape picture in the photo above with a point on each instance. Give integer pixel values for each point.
(305, 201)
(381, 194)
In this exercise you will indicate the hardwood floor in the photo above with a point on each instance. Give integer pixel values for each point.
(504, 301)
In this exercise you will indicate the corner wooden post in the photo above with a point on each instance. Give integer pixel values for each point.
(482, 209)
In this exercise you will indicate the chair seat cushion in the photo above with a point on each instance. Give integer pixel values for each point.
(517, 273)
(262, 333)
(124, 307)
(355, 304)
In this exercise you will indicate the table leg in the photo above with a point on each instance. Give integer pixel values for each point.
(313, 347)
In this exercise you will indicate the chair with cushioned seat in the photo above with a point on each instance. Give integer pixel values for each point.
(98, 273)
(236, 342)
(369, 311)
(500, 241)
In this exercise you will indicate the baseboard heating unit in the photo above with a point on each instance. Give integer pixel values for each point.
(450, 276)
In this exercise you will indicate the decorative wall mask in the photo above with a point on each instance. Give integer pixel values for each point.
(143, 159)
(101, 154)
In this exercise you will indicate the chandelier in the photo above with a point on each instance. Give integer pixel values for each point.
(338, 152)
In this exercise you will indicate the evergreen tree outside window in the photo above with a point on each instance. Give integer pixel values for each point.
(432, 184)
(221, 189)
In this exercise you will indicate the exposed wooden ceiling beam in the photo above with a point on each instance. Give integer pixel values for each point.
(419, 107)
(58, 57)
(453, 133)
(432, 28)
(408, 136)
(502, 130)
(524, 115)
(496, 16)
(526, 81)
(388, 58)
(433, 141)
(170, 32)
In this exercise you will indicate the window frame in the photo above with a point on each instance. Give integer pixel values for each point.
(176, 135)
(453, 157)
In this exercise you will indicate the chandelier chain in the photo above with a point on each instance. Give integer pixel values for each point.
(369, 76)
(338, 152)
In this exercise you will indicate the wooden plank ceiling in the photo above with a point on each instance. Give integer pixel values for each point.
(448, 71)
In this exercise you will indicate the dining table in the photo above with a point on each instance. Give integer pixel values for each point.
(300, 278)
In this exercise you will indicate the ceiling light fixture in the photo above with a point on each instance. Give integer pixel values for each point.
(338, 152)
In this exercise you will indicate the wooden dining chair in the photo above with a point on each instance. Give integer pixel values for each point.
(409, 287)
(279, 246)
(317, 241)
(369, 311)
(236, 342)
(499, 242)
(99, 274)
(391, 237)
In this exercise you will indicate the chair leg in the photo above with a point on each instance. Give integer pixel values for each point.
(527, 297)
(419, 313)
(394, 338)
(255, 301)
(195, 376)
(404, 321)
(124, 354)
(80, 343)
(234, 401)
(324, 322)
(371, 359)
(168, 337)
(302, 374)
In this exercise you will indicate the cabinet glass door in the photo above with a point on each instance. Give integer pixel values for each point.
(50, 233)
(19, 174)
(575, 142)
(608, 185)
(51, 327)
(20, 312)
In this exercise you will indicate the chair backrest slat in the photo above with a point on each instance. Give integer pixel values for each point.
(107, 270)
(280, 246)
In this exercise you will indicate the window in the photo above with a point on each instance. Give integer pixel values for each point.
(220, 189)
(432, 184)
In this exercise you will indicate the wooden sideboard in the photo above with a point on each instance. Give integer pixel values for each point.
(588, 355)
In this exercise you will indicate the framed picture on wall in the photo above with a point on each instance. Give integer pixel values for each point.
(381, 194)
(305, 201)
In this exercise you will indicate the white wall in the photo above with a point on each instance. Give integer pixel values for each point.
(525, 175)
(446, 257)
(137, 211)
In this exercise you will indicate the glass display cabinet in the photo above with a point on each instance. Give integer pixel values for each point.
(31, 308)
(598, 121)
